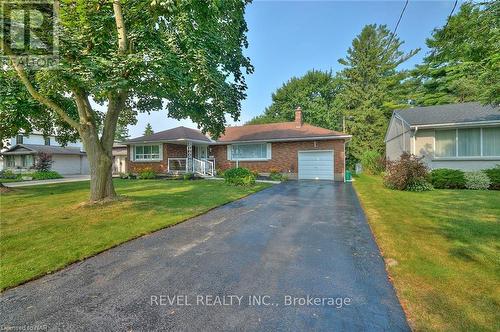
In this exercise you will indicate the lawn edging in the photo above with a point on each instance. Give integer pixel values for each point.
(386, 266)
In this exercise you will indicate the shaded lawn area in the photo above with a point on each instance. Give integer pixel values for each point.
(447, 245)
(44, 228)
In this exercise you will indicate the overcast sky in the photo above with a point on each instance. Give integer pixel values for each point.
(288, 38)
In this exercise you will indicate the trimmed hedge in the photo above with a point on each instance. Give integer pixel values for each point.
(494, 175)
(44, 175)
(445, 178)
(239, 176)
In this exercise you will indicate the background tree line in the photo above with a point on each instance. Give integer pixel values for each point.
(463, 64)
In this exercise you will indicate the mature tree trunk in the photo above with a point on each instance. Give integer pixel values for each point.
(100, 162)
(99, 150)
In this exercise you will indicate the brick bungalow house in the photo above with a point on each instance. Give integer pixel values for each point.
(300, 150)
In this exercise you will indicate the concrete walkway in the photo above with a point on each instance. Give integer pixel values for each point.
(298, 256)
(67, 178)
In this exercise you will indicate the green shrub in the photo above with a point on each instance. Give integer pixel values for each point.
(407, 173)
(188, 176)
(372, 162)
(494, 175)
(8, 174)
(146, 174)
(239, 176)
(249, 180)
(445, 178)
(45, 175)
(419, 185)
(277, 176)
(477, 180)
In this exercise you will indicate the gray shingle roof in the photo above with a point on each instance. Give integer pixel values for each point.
(178, 133)
(34, 148)
(451, 113)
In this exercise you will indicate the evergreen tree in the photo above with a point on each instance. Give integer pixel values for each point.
(148, 130)
(315, 92)
(121, 133)
(372, 87)
(464, 59)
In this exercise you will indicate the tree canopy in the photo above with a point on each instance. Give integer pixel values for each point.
(464, 59)
(315, 92)
(131, 56)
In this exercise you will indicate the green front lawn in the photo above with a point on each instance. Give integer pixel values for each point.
(44, 228)
(442, 250)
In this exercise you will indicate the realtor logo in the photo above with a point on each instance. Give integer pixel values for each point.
(29, 32)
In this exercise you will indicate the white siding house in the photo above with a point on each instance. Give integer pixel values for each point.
(20, 156)
(458, 136)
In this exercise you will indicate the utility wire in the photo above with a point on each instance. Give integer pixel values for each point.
(396, 27)
(451, 14)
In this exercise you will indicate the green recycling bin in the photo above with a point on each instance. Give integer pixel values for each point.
(348, 176)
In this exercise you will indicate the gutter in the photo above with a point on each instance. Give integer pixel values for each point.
(457, 124)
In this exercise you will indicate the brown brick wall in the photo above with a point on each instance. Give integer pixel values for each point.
(169, 151)
(284, 157)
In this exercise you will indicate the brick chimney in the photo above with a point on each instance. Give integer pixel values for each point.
(298, 117)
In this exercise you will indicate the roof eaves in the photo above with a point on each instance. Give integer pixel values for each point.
(208, 141)
(289, 139)
(456, 124)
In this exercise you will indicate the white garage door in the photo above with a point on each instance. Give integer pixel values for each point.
(66, 164)
(316, 165)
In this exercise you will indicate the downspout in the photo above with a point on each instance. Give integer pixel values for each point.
(414, 140)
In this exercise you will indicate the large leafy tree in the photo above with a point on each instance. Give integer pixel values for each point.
(373, 87)
(314, 92)
(131, 55)
(464, 59)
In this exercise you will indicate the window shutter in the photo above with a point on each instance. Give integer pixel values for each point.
(228, 147)
(269, 154)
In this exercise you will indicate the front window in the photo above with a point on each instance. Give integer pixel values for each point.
(446, 143)
(10, 161)
(147, 152)
(249, 152)
(468, 142)
(491, 142)
(47, 140)
(27, 161)
(19, 139)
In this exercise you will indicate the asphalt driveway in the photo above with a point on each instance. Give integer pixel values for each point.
(248, 265)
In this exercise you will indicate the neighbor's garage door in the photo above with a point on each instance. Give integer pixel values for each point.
(316, 165)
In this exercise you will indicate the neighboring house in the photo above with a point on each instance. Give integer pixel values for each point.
(119, 158)
(459, 136)
(300, 150)
(23, 149)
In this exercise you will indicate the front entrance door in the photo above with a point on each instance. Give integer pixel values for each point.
(201, 152)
